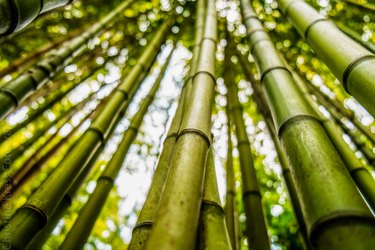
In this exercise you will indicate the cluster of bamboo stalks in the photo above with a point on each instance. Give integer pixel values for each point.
(331, 189)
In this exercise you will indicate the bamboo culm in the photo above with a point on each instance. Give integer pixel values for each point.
(148, 212)
(33, 216)
(352, 64)
(335, 214)
(261, 102)
(213, 233)
(177, 220)
(16, 91)
(231, 213)
(79, 233)
(255, 221)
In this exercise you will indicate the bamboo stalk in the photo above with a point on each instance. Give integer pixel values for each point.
(261, 102)
(335, 214)
(356, 37)
(177, 220)
(15, 91)
(33, 216)
(231, 213)
(362, 5)
(18, 14)
(363, 179)
(147, 215)
(213, 233)
(255, 222)
(351, 63)
(79, 233)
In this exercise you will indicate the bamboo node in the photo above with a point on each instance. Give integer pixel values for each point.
(272, 69)
(296, 118)
(249, 17)
(146, 223)
(197, 132)
(38, 211)
(351, 66)
(251, 192)
(308, 28)
(11, 95)
(213, 204)
(205, 72)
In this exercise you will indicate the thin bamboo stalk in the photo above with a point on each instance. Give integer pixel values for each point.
(213, 233)
(351, 63)
(255, 222)
(33, 216)
(147, 215)
(362, 5)
(355, 36)
(7, 160)
(15, 91)
(231, 213)
(339, 118)
(177, 220)
(35, 162)
(335, 214)
(79, 233)
(343, 111)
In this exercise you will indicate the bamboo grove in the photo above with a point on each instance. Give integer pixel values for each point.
(206, 124)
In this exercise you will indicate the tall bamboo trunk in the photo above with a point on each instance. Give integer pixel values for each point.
(231, 213)
(177, 219)
(213, 233)
(33, 216)
(15, 91)
(82, 227)
(351, 63)
(262, 106)
(255, 222)
(335, 214)
(147, 215)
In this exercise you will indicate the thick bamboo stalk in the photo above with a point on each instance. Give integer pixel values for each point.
(177, 220)
(365, 182)
(18, 14)
(79, 233)
(33, 216)
(147, 215)
(351, 63)
(213, 233)
(231, 213)
(335, 214)
(255, 222)
(261, 102)
(15, 91)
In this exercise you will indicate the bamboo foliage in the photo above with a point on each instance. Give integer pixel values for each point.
(231, 214)
(177, 220)
(213, 232)
(18, 14)
(335, 214)
(351, 63)
(81, 229)
(35, 213)
(255, 222)
(15, 91)
(147, 215)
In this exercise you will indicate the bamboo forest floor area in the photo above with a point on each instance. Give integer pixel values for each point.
(187, 124)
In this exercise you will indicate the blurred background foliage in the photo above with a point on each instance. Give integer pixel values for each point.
(98, 71)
